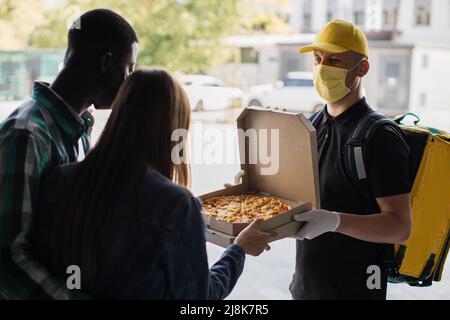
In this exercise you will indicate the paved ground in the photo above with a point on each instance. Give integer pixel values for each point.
(267, 276)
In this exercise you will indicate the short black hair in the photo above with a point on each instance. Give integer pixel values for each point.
(99, 31)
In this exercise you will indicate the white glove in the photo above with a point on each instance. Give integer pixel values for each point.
(318, 222)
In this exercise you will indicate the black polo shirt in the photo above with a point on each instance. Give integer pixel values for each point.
(333, 265)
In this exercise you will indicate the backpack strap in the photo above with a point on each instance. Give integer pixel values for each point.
(355, 164)
(316, 118)
(356, 148)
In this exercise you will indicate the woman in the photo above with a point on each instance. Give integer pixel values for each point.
(124, 215)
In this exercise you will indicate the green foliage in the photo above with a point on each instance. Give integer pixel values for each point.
(18, 18)
(180, 35)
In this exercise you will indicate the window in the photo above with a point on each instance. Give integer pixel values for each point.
(329, 16)
(390, 13)
(331, 9)
(393, 81)
(390, 18)
(423, 12)
(359, 12)
(393, 71)
(307, 22)
(307, 15)
(359, 18)
(249, 55)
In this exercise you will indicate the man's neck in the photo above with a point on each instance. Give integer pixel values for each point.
(336, 108)
(71, 86)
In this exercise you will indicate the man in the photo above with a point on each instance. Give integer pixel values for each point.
(345, 241)
(53, 128)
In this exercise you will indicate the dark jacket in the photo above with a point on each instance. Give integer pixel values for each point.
(151, 244)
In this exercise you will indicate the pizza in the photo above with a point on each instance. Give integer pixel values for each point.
(244, 208)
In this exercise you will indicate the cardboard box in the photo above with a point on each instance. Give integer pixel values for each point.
(295, 181)
(282, 231)
(233, 229)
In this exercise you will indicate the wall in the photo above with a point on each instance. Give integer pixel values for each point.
(390, 96)
(430, 79)
(437, 32)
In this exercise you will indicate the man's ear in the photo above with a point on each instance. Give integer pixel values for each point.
(364, 69)
(105, 60)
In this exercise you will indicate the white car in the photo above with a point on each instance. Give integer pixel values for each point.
(295, 93)
(210, 93)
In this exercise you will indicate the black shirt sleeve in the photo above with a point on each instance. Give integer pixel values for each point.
(388, 163)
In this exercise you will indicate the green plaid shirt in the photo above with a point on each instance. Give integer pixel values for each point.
(42, 133)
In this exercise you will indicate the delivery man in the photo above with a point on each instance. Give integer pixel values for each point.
(344, 245)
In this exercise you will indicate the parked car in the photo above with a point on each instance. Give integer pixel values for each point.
(210, 93)
(295, 93)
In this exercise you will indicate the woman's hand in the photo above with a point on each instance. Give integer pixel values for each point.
(253, 240)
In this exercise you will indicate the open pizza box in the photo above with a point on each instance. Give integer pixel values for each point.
(288, 140)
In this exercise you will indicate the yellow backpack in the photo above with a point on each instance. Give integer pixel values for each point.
(421, 259)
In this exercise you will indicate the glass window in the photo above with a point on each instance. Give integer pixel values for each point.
(359, 18)
(249, 55)
(307, 15)
(423, 12)
(331, 9)
(392, 69)
(390, 13)
(359, 12)
(307, 22)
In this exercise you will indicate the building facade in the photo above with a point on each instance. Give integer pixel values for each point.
(410, 20)
(409, 44)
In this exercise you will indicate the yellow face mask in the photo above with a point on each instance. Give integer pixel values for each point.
(330, 82)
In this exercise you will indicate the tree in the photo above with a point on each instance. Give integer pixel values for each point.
(180, 35)
(17, 20)
(52, 32)
(265, 16)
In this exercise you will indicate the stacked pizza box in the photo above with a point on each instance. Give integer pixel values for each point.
(291, 175)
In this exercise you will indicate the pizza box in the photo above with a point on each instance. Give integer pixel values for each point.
(293, 178)
(233, 229)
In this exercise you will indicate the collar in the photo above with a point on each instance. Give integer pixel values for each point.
(72, 124)
(355, 111)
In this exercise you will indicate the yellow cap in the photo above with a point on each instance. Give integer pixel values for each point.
(339, 36)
